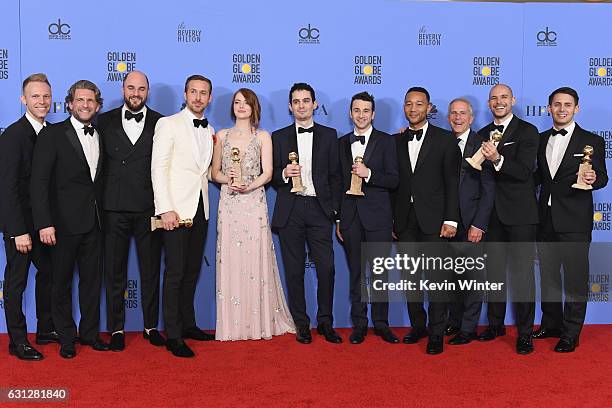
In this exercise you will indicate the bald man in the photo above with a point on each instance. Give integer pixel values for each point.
(127, 139)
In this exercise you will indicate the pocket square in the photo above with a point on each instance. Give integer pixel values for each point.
(508, 143)
(578, 155)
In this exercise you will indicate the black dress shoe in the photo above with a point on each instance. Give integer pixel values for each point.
(178, 348)
(544, 333)
(566, 345)
(414, 336)
(67, 351)
(47, 338)
(25, 352)
(491, 333)
(462, 338)
(117, 342)
(524, 345)
(303, 335)
(386, 334)
(330, 334)
(97, 344)
(154, 337)
(195, 333)
(358, 335)
(435, 345)
(451, 331)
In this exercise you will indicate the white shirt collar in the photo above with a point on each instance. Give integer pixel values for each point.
(367, 133)
(78, 126)
(464, 136)
(311, 124)
(570, 128)
(143, 110)
(35, 124)
(425, 126)
(506, 122)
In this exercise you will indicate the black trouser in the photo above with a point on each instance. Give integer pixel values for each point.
(119, 228)
(520, 260)
(437, 304)
(354, 235)
(84, 250)
(308, 223)
(183, 249)
(574, 257)
(15, 281)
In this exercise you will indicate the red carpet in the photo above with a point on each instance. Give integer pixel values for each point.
(283, 373)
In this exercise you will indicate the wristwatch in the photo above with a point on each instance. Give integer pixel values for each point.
(497, 161)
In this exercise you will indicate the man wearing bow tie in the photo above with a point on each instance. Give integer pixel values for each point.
(127, 140)
(182, 151)
(425, 204)
(66, 191)
(514, 216)
(366, 218)
(566, 219)
(307, 216)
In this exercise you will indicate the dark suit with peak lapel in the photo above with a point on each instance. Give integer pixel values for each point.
(513, 219)
(425, 198)
(16, 150)
(564, 233)
(65, 196)
(476, 196)
(128, 207)
(367, 218)
(307, 219)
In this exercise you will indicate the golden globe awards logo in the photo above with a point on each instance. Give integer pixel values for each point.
(602, 212)
(119, 64)
(486, 71)
(246, 68)
(4, 64)
(308, 35)
(130, 296)
(188, 35)
(607, 137)
(599, 287)
(368, 69)
(600, 71)
(429, 39)
(59, 30)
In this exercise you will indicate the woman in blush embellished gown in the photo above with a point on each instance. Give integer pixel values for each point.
(250, 299)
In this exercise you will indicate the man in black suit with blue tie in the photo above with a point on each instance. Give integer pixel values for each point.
(566, 214)
(366, 218)
(307, 216)
(476, 195)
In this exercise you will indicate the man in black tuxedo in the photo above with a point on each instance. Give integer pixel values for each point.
(514, 216)
(425, 204)
(476, 195)
(566, 219)
(21, 244)
(127, 140)
(307, 216)
(66, 190)
(366, 218)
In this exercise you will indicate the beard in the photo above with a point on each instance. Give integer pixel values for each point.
(140, 103)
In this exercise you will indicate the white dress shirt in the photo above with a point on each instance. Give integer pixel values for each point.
(90, 145)
(358, 149)
(462, 140)
(555, 150)
(35, 124)
(505, 123)
(133, 129)
(304, 142)
(203, 138)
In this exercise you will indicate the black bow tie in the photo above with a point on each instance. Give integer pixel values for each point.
(357, 138)
(561, 132)
(499, 128)
(200, 122)
(136, 116)
(412, 134)
(306, 130)
(88, 130)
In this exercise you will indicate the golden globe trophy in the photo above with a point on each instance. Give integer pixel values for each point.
(236, 181)
(584, 167)
(478, 158)
(356, 181)
(298, 187)
(157, 223)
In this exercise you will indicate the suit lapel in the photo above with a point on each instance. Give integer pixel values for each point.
(100, 155)
(572, 147)
(507, 137)
(184, 122)
(471, 146)
(425, 147)
(374, 138)
(148, 129)
(404, 151)
(315, 148)
(543, 158)
(75, 142)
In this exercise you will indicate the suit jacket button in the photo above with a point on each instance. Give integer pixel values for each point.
(122, 161)
(116, 149)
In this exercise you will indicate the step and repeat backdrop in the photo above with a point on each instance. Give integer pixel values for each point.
(340, 48)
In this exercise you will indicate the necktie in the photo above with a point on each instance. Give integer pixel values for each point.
(412, 134)
(357, 138)
(499, 128)
(305, 130)
(200, 122)
(136, 116)
(561, 132)
(88, 130)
